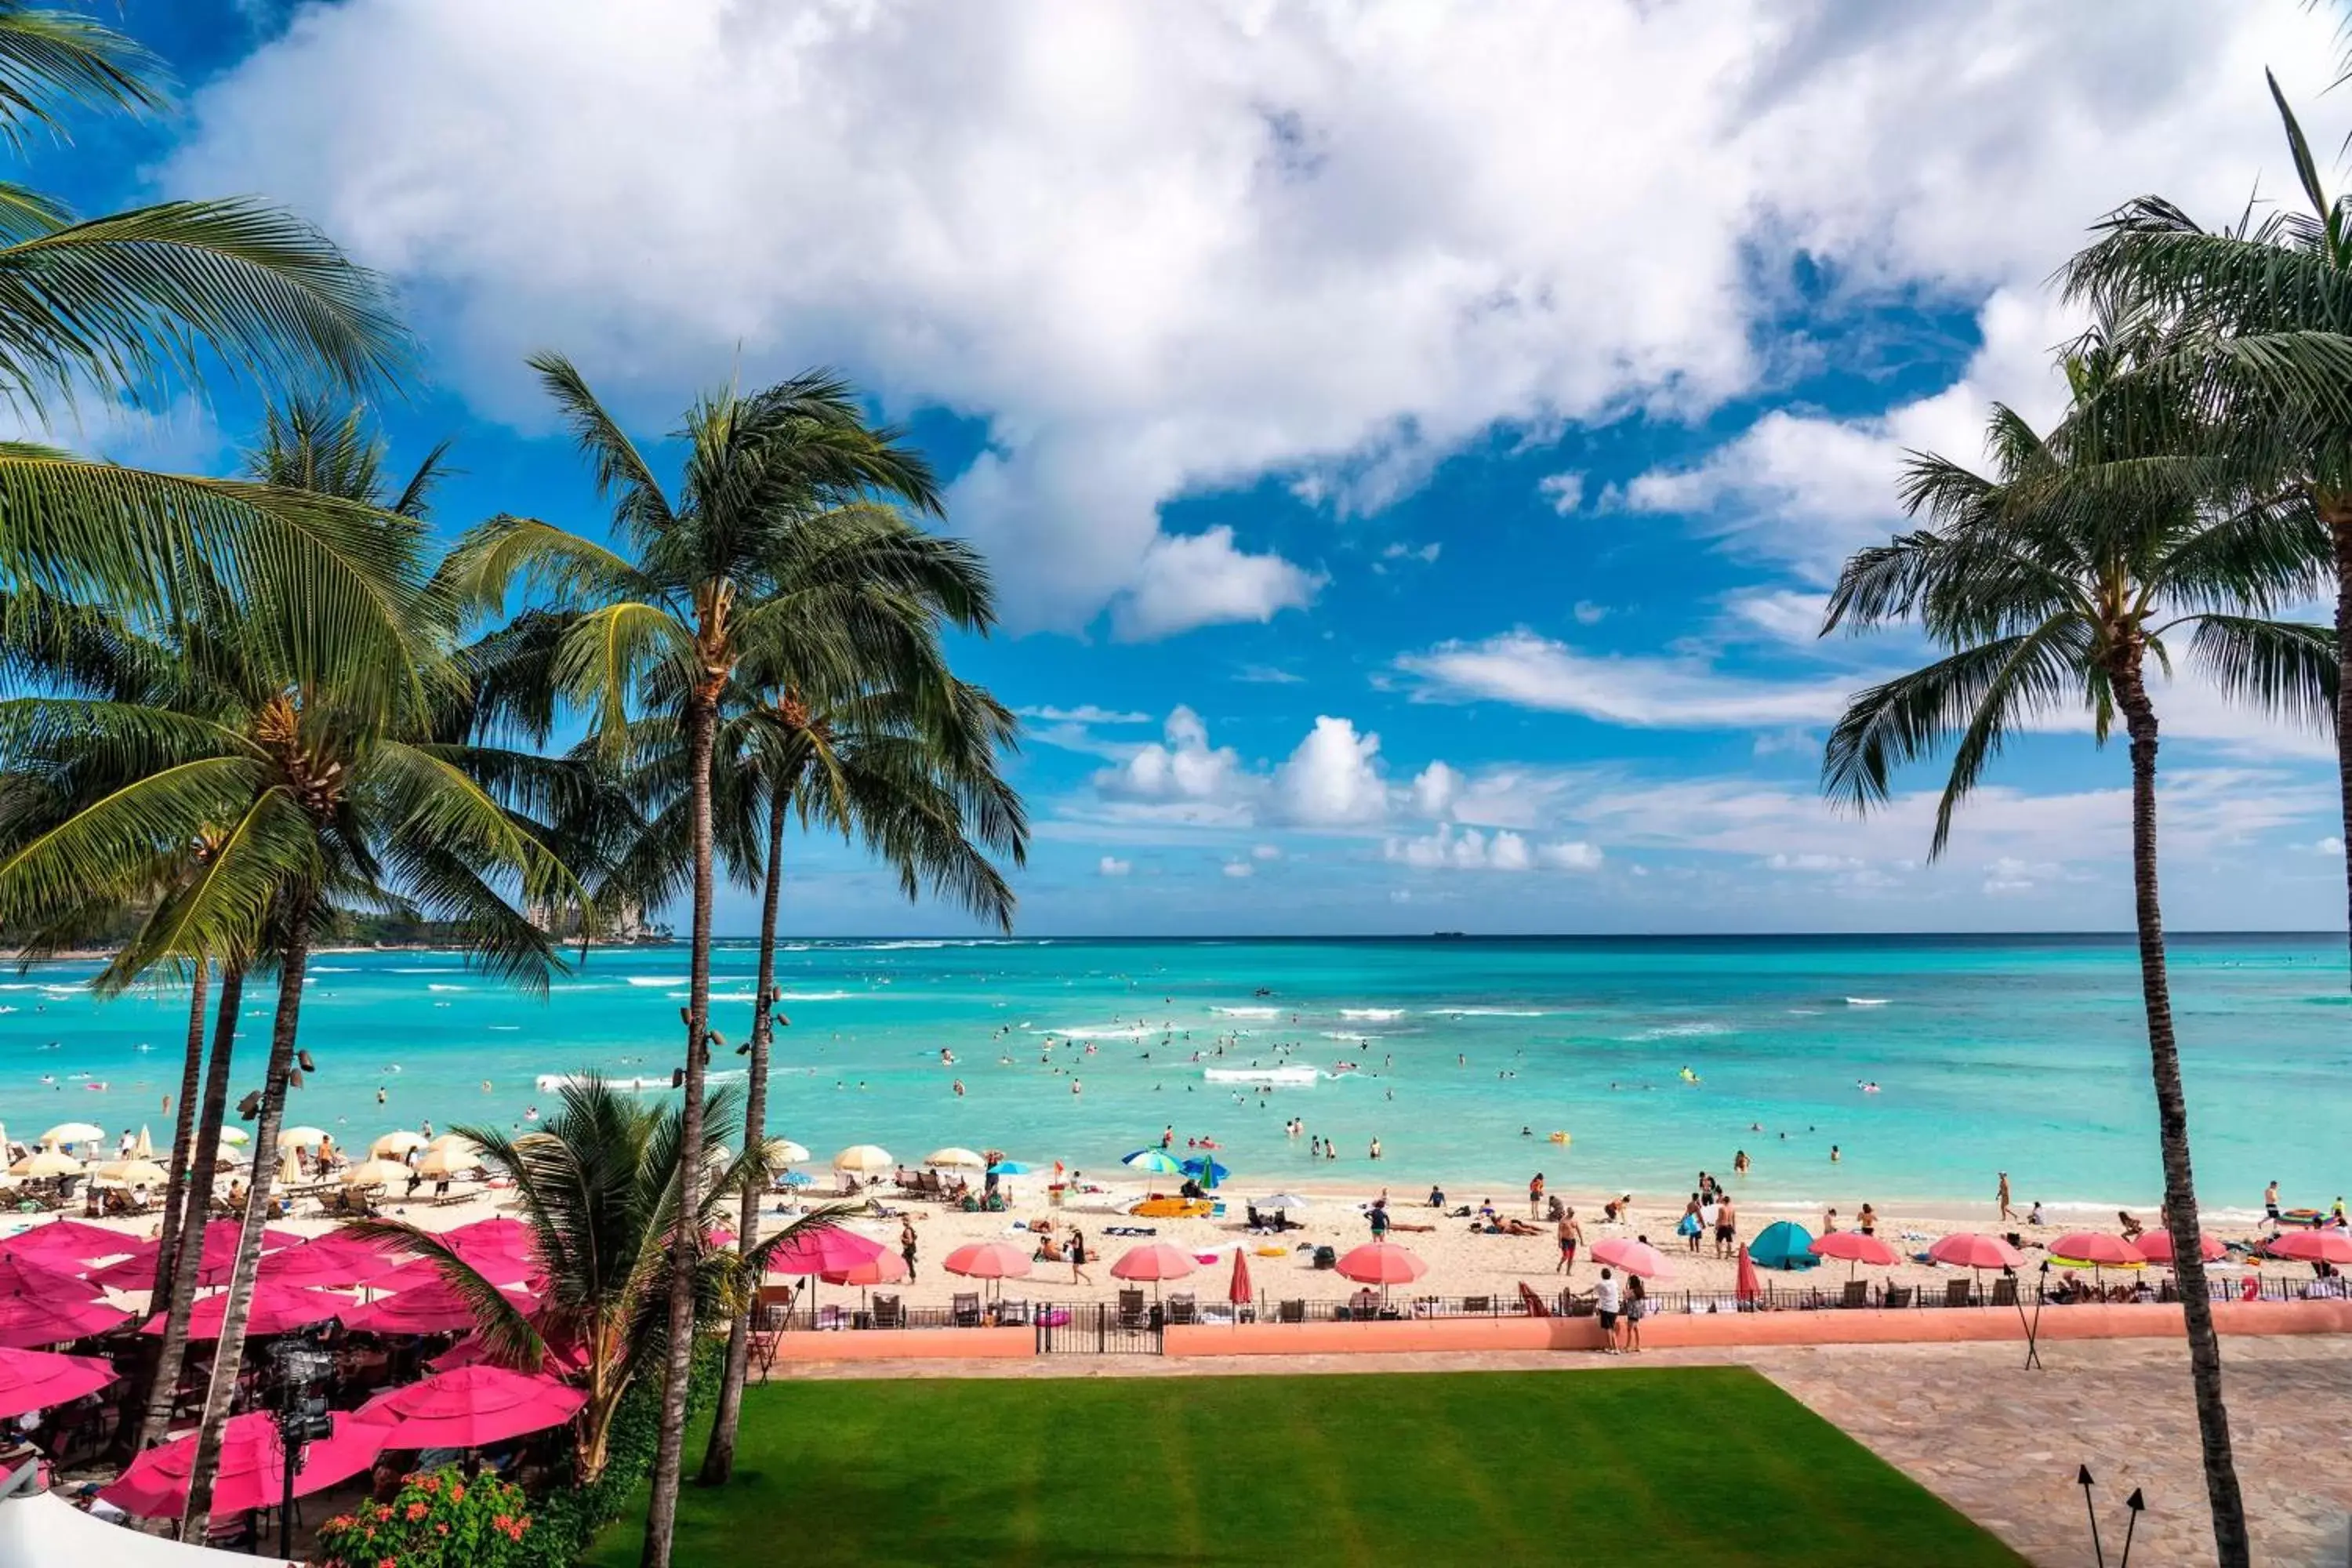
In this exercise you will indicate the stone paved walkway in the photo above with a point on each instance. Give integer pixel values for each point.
(1998, 1442)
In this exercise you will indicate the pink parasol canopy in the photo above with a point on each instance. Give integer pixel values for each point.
(1240, 1292)
(252, 1472)
(49, 1280)
(137, 1272)
(468, 1407)
(833, 1250)
(30, 1380)
(434, 1309)
(561, 1361)
(276, 1309)
(2314, 1247)
(1632, 1256)
(1382, 1263)
(882, 1269)
(1973, 1249)
(1153, 1260)
(1745, 1283)
(30, 1321)
(989, 1261)
(502, 1232)
(70, 1239)
(2098, 1248)
(2156, 1246)
(335, 1261)
(497, 1268)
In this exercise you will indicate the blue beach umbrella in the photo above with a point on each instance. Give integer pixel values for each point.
(1009, 1168)
(1153, 1161)
(797, 1179)
(1784, 1243)
(1205, 1170)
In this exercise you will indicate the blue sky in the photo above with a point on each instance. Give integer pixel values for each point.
(1411, 438)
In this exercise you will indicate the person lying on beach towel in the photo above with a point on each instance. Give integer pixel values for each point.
(1130, 1230)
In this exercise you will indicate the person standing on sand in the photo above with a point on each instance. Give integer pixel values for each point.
(1572, 1237)
(1690, 1225)
(2006, 1214)
(1535, 1196)
(1604, 1303)
(1636, 1299)
(907, 1244)
(1727, 1226)
(1078, 1259)
(2270, 1203)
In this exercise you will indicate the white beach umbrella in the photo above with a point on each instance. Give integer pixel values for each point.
(442, 1165)
(290, 1167)
(864, 1158)
(47, 1163)
(236, 1135)
(393, 1146)
(130, 1173)
(300, 1138)
(950, 1158)
(145, 1148)
(784, 1152)
(1282, 1200)
(72, 1133)
(376, 1173)
(228, 1153)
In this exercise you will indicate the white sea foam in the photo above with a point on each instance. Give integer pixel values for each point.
(334, 969)
(1489, 1013)
(1680, 1031)
(1374, 1013)
(1106, 1031)
(816, 995)
(1248, 1012)
(1866, 1001)
(430, 969)
(503, 1029)
(653, 980)
(1343, 1034)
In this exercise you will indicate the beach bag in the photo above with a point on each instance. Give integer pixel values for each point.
(1689, 1225)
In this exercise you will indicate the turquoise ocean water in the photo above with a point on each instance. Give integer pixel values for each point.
(2018, 1053)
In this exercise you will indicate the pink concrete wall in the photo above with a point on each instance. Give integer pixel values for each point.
(1817, 1328)
(908, 1344)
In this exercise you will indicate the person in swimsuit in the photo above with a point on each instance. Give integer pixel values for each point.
(1726, 1227)
(1572, 1236)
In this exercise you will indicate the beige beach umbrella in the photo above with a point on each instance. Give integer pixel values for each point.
(145, 1148)
(784, 1152)
(47, 1163)
(72, 1133)
(864, 1158)
(290, 1167)
(236, 1135)
(376, 1173)
(393, 1146)
(951, 1159)
(229, 1154)
(454, 1143)
(130, 1173)
(300, 1138)
(442, 1165)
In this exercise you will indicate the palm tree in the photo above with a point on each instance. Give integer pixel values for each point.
(600, 1184)
(913, 775)
(778, 541)
(2052, 584)
(126, 304)
(2271, 301)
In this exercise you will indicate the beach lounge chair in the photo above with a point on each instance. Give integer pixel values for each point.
(1290, 1312)
(967, 1310)
(1011, 1312)
(888, 1313)
(1961, 1293)
(830, 1318)
(1857, 1294)
(2004, 1290)
(1897, 1296)
(1478, 1306)
(1130, 1310)
(1184, 1310)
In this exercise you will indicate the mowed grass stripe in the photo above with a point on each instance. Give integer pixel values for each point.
(1702, 1464)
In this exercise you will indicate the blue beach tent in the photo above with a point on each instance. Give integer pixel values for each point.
(1784, 1243)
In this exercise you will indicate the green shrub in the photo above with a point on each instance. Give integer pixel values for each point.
(440, 1521)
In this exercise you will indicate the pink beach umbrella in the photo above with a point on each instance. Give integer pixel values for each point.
(2156, 1246)
(52, 1279)
(500, 1268)
(469, 1407)
(276, 1309)
(29, 1320)
(501, 1233)
(1632, 1256)
(436, 1308)
(2314, 1247)
(334, 1261)
(71, 1240)
(31, 1379)
(882, 1269)
(988, 1260)
(1855, 1248)
(1382, 1263)
(1240, 1292)
(833, 1250)
(1973, 1249)
(561, 1361)
(1745, 1283)
(1154, 1260)
(218, 1260)
(2096, 1249)
(252, 1472)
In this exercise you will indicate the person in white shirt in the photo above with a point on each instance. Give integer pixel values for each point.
(1605, 1301)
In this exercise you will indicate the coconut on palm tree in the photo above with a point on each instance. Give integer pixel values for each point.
(2052, 584)
(779, 538)
(600, 1184)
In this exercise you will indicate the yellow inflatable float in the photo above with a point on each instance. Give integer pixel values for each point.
(1560, 1138)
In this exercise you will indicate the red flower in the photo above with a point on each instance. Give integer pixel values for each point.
(458, 1492)
(387, 1562)
(416, 1510)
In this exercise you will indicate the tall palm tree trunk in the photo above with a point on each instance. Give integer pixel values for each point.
(685, 1241)
(2172, 1131)
(175, 1193)
(719, 1460)
(2338, 517)
(203, 1164)
(291, 962)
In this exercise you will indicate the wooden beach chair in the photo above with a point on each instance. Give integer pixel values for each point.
(1898, 1297)
(1478, 1306)
(888, 1313)
(2004, 1290)
(1857, 1294)
(1130, 1309)
(1184, 1310)
(1961, 1293)
(1013, 1313)
(1290, 1312)
(967, 1310)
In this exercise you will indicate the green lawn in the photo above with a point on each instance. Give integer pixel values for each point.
(1701, 1465)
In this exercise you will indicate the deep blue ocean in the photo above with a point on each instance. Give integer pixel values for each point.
(2026, 1054)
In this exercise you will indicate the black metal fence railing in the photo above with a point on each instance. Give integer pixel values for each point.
(1127, 1324)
